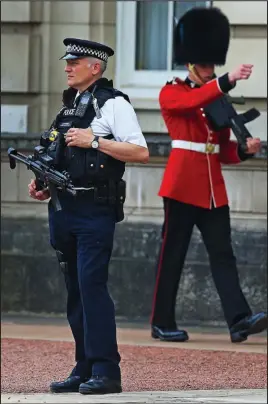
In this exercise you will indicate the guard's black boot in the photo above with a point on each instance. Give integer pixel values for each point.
(254, 324)
(100, 385)
(169, 334)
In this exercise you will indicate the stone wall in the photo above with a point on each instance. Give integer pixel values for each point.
(32, 77)
(31, 279)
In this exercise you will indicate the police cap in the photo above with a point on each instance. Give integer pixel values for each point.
(79, 48)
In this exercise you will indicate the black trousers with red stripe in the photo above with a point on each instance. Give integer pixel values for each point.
(214, 225)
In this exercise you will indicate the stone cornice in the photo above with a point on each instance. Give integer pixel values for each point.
(159, 144)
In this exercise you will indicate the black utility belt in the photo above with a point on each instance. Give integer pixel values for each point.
(111, 193)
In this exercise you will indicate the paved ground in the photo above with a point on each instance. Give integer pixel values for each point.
(169, 397)
(56, 329)
(206, 369)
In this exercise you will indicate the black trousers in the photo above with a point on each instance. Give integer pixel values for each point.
(214, 225)
(83, 234)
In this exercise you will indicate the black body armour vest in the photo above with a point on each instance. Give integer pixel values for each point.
(85, 166)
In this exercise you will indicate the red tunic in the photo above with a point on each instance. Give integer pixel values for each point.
(193, 177)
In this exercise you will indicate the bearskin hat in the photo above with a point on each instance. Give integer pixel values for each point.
(202, 36)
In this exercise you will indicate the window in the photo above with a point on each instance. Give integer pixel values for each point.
(144, 45)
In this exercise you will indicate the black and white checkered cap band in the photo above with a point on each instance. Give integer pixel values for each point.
(90, 52)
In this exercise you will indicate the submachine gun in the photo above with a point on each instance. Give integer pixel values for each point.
(222, 114)
(47, 177)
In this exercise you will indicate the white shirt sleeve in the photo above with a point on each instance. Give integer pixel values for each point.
(119, 119)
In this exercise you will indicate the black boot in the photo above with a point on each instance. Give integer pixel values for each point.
(69, 385)
(249, 325)
(169, 334)
(100, 385)
(79, 374)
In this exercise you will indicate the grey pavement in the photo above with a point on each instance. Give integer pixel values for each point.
(164, 397)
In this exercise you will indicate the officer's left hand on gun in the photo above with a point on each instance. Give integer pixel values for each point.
(39, 195)
(79, 137)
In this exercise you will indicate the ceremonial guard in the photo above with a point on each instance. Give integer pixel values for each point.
(93, 135)
(193, 187)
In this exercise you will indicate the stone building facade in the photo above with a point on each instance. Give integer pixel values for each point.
(31, 85)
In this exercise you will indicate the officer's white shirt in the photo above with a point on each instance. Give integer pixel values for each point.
(119, 119)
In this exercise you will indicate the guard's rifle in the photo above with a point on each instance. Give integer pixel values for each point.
(222, 114)
(47, 177)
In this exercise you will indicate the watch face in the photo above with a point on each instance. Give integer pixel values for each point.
(95, 144)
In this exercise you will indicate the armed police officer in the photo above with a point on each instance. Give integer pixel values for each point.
(193, 187)
(92, 137)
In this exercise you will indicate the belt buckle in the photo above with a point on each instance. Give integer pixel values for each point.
(210, 148)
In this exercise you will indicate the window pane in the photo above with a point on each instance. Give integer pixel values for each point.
(151, 35)
(180, 8)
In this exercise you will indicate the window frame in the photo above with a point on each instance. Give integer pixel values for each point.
(142, 84)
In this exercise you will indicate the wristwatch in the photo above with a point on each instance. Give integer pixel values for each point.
(95, 142)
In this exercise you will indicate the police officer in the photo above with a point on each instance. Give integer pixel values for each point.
(193, 187)
(93, 135)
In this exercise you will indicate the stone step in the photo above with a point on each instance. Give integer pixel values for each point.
(148, 397)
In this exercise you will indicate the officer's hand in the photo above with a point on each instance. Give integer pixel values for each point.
(79, 137)
(242, 72)
(39, 195)
(254, 145)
